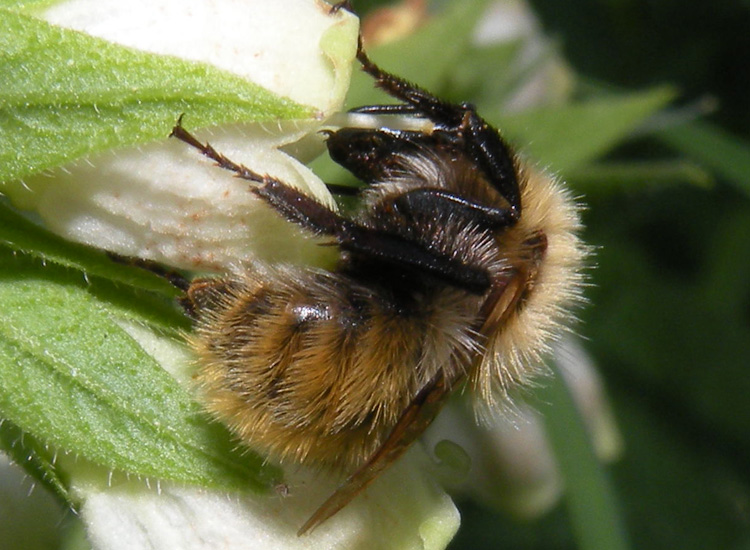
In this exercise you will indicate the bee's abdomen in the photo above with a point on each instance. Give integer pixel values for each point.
(312, 365)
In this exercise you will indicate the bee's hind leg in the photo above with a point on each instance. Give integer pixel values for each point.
(175, 278)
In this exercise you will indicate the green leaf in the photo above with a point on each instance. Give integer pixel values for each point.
(34, 457)
(715, 148)
(27, 5)
(728, 266)
(566, 137)
(612, 177)
(589, 494)
(66, 94)
(73, 378)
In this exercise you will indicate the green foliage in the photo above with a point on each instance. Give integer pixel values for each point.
(66, 95)
(668, 320)
(414, 57)
(591, 501)
(34, 457)
(728, 156)
(75, 379)
(568, 136)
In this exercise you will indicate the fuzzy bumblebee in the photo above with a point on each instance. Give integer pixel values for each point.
(459, 268)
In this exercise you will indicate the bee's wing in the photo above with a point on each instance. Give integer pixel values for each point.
(423, 409)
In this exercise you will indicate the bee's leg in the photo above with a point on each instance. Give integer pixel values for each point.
(375, 155)
(375, 245)
(207, 150)
(417, 102)
(175, 278)
(389, 109)
(413, 422)
(424, 201)
(343, 190)
(288, 201)
(458, 122)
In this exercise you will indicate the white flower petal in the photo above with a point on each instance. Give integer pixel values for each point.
(403, 509)
(512, 466)
(163, 201)
(276, 44)
(587, 387)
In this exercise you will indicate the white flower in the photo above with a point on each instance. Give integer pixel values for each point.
(164, 202)
(161, 200)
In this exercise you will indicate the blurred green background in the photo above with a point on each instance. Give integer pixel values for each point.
(669, 317)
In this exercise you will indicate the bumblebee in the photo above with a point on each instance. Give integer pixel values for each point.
(458, 269)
